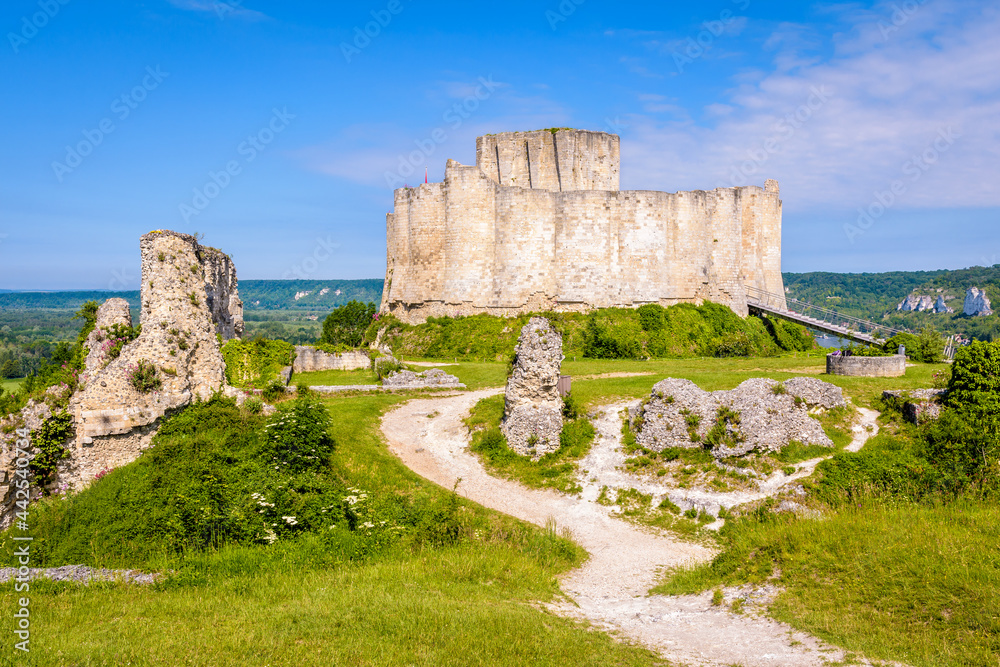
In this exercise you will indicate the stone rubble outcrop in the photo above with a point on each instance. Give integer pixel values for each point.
(917, 405)
(434, 378)
(189, 306)
(976, 303)
(533, 419)
(941, 307)
(770, 414)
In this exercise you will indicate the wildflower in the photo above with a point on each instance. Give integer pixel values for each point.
(290, 520)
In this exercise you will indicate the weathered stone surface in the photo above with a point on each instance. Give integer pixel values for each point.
(188, 296)
(539, 223)
(874, 367)
(309, 358)
(917, 405)
(532, 406)
(916, 303)
(111, 312)
(815, 392)
(976, 303)
(680, 414)
(434, 378)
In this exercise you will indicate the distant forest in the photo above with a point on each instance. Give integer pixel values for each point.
(256, 295)
(32, 323)
(875, 296)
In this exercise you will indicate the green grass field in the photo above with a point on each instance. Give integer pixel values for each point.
(892, 578)
(12, 385)
(361, 376)
(474, 602)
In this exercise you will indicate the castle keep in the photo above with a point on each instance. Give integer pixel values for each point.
(540, 224)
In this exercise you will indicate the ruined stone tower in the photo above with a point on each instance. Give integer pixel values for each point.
(539, 224)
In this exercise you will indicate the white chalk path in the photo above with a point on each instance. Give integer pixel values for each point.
(610, 589)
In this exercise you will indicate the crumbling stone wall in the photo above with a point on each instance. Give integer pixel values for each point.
(310, 359)
(189, 303)
(111, 312)
(532, 406)
(188, 296)
(539, 224)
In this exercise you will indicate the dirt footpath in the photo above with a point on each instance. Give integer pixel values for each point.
(610, 590)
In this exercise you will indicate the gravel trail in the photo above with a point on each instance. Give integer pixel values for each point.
(610, 589)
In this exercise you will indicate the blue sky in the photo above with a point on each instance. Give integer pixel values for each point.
(274, 129)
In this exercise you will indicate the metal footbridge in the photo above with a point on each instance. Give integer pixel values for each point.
(816, 317)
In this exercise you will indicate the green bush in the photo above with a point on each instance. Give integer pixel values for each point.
(210, 480)
(297, 437)
(927, 347)
(49, 445)
(347, 324)
(256, 363)
(621, 340)
(651, 317)
(572, 408)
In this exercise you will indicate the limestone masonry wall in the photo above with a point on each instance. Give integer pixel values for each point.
(188, 300)
(540, 224)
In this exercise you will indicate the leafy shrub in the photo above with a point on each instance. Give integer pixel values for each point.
(383, 366)
(297, 438)
(734, 344)
(347, 324)
(623, 341)
(142, 376)
(651, 317)
(48, 442)
(256, 363)
(273, 391)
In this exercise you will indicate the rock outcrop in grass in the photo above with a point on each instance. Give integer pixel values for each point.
(759, 415)
(532, 406)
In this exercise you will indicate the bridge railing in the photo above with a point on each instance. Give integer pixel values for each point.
(780, 302)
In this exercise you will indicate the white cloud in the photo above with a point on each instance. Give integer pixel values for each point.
(888, 90)
(223, 9)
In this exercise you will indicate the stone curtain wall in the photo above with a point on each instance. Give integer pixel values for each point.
(470, 245)
(188, 296)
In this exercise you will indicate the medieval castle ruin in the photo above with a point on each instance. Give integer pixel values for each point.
(190, 306)
(539, 224)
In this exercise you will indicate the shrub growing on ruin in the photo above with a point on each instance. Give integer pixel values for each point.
(48, 443)
(143, 377)
(256, 363)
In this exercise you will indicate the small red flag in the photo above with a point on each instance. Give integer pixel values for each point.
(425, 174)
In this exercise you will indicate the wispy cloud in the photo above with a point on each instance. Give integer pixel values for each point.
(220, 8)
(365, 153)
(889, 94)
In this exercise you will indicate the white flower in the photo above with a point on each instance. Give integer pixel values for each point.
(290, 520)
